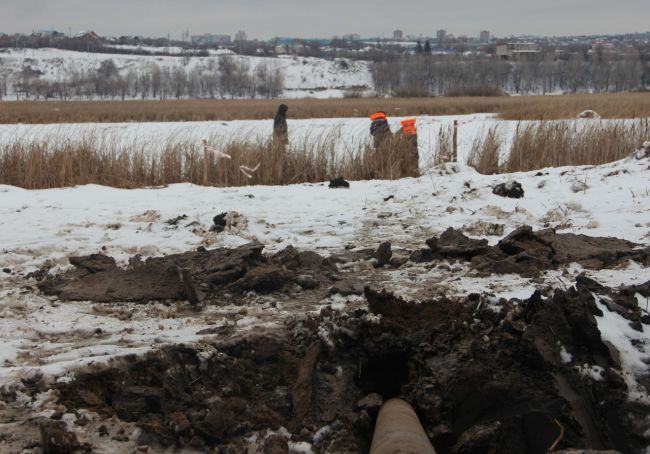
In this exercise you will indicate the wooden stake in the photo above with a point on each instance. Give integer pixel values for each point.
(455, 143)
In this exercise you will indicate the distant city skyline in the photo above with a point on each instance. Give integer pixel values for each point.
(377, 18)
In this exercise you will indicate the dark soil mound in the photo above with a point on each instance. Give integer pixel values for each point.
(338, 183)
(480, 381)
(511, 189)
(527, 252)
(191, 276)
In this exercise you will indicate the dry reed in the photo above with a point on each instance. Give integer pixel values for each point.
(544, 144)
(557, 144)
(485, 153)
(625, 105)
(443, 146)
(56, 162)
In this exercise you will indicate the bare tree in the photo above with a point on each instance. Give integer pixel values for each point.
(156, 79)
(179, 81)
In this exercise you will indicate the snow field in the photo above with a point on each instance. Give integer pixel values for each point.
(48, 226)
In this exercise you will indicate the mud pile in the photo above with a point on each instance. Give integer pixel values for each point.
(207, 275)
(528, 253)
(481, 380)
(193, 276)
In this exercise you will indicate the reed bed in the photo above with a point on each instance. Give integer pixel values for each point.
(57, 162)
(537, 145)
(624, 105)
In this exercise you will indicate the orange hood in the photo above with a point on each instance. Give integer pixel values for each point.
(408, 126)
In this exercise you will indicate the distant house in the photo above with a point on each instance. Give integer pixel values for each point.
(209, 39)
(124, 39)
(4, 38)
(87, 35)
(50, 33)
(518, 51)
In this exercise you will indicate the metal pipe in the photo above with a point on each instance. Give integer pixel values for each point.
(398, 431)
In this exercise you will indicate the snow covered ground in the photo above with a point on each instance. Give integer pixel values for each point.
(51, 225)
(303, 76)
(48, 226)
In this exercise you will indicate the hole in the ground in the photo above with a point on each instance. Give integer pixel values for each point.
(384, 373)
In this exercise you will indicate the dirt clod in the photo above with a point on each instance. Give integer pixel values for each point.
(339, 182)
(511, 189)
(195, 276)
(56, 439)
(384, 253)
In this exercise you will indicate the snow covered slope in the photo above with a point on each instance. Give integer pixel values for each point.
(303, 76)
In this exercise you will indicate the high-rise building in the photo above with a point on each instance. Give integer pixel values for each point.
(485, 37)
(351, 37)
(441, 35)
(398, 35)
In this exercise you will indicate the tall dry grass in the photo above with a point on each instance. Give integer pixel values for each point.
(558, 143)
(59, 161)
(614, 106)
(486, 151)
(56, 162)
(625, 105)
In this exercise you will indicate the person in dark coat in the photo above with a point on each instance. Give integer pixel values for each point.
(379, 129)
(280, 129)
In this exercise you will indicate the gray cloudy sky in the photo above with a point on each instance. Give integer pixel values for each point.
(325, 18)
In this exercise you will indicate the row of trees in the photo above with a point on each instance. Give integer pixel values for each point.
(227, 77)
(425, 75)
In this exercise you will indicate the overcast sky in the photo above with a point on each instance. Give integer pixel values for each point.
(326, 18)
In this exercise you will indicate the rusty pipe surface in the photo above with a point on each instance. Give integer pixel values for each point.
(398, 431)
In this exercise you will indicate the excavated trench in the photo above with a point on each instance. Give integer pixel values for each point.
(482, 380)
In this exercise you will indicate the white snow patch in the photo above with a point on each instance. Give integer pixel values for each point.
(594, 372)
(324, 335)
(321, 433)
(633, 348)
(565, 356)
(300, 447)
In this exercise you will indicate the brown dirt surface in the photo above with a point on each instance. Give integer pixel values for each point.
(481, 380)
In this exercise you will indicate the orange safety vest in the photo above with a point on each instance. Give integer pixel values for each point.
(409, 128)
(378, 116)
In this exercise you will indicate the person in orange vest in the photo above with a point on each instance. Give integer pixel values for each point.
(379, 129)
(407, 138)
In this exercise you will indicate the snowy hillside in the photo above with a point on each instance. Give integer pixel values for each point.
(303, 77)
